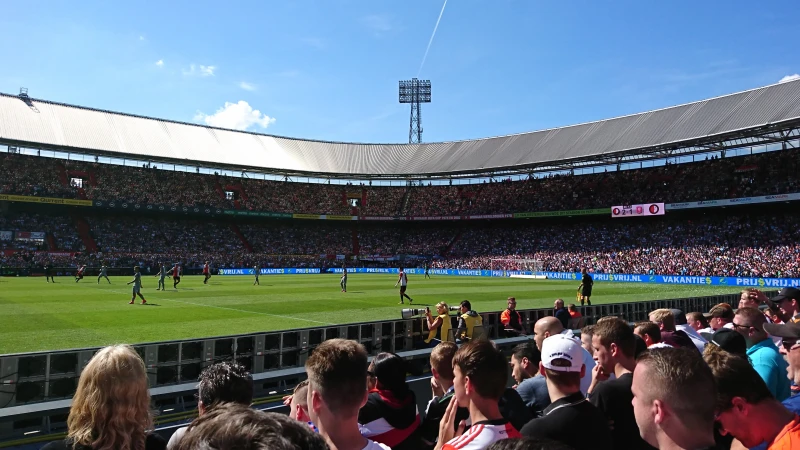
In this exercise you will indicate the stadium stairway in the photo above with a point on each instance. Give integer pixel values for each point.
(404, 203)
(84, 231)
(238, 232)
(51, 242)
(62, 175)
(356, 246)
(452, 243)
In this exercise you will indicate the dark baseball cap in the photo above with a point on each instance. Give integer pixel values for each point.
(783, 330)
(730, 341)
(680, 316)
(787, 293)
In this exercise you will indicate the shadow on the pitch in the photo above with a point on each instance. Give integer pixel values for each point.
(150, 304)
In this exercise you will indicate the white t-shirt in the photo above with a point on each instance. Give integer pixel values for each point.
(372, 445)
(403, 279)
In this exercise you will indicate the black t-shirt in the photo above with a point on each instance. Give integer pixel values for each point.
(511, 407)
(152, 442)
(613, 397)
(574, 421)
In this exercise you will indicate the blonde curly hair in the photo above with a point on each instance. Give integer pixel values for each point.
(111, 407)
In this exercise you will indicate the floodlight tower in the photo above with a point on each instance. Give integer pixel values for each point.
(415, 91)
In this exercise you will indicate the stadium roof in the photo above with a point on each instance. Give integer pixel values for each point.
(37, 123)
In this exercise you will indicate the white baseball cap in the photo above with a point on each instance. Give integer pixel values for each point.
(562, 346)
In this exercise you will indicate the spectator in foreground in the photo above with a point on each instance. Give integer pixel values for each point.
(729, 341)
(442, 390)
(720, 316)
(223, 382)
(237, 426)
(111, 407)
(586, 339)
(512, 320)
(746, 409)
(562, 367)
(531, 386)
(298, 405)
(761, 351)
(390, 415)
(337, 389)
(649, 332)
(669, 335)
(614, 345)
(788, 301)
(529, 444)
(697, 321)
(681, 324)
(673, 399)
(790, 348)
(481, 372)
(550, 326)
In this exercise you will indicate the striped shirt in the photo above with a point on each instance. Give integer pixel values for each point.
(483, 434)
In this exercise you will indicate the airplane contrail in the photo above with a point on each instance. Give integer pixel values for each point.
(432, 35)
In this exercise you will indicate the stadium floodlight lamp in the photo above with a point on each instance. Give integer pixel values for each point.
(415, 92)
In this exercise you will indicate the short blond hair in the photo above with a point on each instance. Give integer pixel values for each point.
(665, 317)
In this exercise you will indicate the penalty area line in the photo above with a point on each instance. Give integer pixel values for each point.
(238, 310)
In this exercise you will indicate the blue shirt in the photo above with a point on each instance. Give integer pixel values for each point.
(533, 392)
(770, 365)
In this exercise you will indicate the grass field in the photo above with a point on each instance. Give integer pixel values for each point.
(36, 316)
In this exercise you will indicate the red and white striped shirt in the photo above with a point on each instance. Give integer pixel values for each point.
(483, 434)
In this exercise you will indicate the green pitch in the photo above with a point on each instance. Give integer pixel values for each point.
(39, 316)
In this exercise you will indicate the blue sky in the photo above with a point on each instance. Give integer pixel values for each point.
(329, 69)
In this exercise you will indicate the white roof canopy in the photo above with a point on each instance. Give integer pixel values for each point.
(35, 122)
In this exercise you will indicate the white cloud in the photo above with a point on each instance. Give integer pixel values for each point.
(247, 86)
(236, 116)
(207, 71)
(379, 23)
(201, 70)
(160, 63)
(789, 78)
(141, 38)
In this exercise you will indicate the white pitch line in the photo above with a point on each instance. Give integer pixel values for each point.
(235, 309)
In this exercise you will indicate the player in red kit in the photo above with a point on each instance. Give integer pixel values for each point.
(206, 273)
(79, 274)
(176, 275)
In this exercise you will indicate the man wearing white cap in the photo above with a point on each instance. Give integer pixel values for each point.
(570, 419)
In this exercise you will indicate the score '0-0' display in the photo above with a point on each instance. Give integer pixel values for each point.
(645, 209)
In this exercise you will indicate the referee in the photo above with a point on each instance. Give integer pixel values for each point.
(586, 287)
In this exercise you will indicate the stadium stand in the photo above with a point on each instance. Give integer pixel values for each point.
(746, 240)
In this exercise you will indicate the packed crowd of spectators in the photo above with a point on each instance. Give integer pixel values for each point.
(440, 200)
(382, 201)
(145, 235)
(728, 246)
(60, 228)
(719, 380)
(738, 245)
(715, 178)
(291, 238)
(300, 198)
(396, 240)
(33, 176)
(154, 186)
